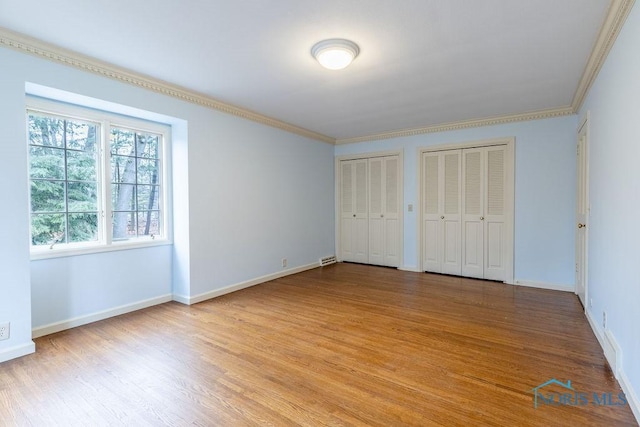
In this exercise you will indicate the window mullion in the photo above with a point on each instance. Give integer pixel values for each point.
(107, 217)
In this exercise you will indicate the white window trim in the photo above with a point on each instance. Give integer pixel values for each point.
(107, 119)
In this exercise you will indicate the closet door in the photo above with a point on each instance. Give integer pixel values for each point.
(441, 212)
(354, 218)
(473, 212)
(431, 206)
(451, 209)
(494, 215)
(384, 211)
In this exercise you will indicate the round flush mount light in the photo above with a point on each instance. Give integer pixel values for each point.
(335, 54)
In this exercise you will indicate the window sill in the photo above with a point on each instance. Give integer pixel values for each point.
(60, 251)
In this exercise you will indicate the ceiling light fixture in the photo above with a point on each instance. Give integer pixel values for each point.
(335, 54)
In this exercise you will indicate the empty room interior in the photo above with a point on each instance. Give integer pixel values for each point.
(414, 212)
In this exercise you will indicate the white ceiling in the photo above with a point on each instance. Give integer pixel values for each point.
(421, 62)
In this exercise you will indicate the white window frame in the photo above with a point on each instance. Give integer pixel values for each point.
(106, 120)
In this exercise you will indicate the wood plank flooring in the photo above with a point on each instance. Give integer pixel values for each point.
(341, 345)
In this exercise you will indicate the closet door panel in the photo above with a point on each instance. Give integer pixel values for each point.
(431, 207)
(376, 212)
(495, 249)
(451, 188)
(473, 213)
(361, 227)
(391, 198)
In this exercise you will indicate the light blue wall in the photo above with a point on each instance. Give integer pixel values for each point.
(245, 195)
(545, 179)
(613, 104)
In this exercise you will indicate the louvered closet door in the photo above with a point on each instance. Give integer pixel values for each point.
(431, 206)
(473, 213)
(451, 212)
(384, 211)
(494, 218)
(354, 225)
(441, 211)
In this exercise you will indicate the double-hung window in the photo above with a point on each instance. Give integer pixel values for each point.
(97, 180)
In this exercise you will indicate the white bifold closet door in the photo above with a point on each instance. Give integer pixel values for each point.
(354, 239)
(464, 212)
(441, 212)
(384, 223)
(370, 210)
(483, 219)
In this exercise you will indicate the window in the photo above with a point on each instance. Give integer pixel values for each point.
(96, 180)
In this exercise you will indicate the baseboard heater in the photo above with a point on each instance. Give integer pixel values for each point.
(327, 260)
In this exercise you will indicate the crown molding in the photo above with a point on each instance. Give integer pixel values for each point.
(445, 127)
(53, 53)
(616, 16)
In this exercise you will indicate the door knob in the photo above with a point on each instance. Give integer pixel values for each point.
(481, 218)
(354, 215)
(381, 216)
(582, 225)
(442, 217)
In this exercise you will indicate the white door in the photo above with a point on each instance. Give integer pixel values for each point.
(354, 217)
(431, 221)
(384, 211)
(441, 212)
(495, 254)
(391, 202)
(473, 213)
(582, 210)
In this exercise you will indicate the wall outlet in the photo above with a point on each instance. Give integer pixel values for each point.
(284, 262)
(4, 330)
(604, 320)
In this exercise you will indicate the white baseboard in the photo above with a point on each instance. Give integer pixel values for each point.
(630, 394)
(613, 354)
(242, 285)
(94, 317)
(543, 285)
(17, 351)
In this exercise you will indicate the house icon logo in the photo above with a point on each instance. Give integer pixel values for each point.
(536, 391)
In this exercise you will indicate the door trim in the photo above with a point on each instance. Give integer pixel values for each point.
(338, 199)
(509, 194)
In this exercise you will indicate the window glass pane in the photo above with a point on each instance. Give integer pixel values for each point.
(123, 197)
(47, 196)
(122, 142)
(147, 197)
(148, 223)
(82, 196)
(81, 165)
(147, 171)
(123, 169)
(81, 136)
(124, 225)
(47, 131)
(150, 148)
(83, 227)
(46, 162)
(47, 229)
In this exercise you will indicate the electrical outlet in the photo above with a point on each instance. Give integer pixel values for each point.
(284, 262)
(4, 330)
(604, 320)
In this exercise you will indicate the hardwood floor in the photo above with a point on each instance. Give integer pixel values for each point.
(342, 345)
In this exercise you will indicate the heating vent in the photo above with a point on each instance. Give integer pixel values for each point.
(327, 260)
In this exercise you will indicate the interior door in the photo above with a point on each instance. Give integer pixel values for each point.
(473, 176)
(495, 251)
(391, 199)
(431, 221)
(451, 212)
(582, 211)
(376, 211)
(354, 224)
